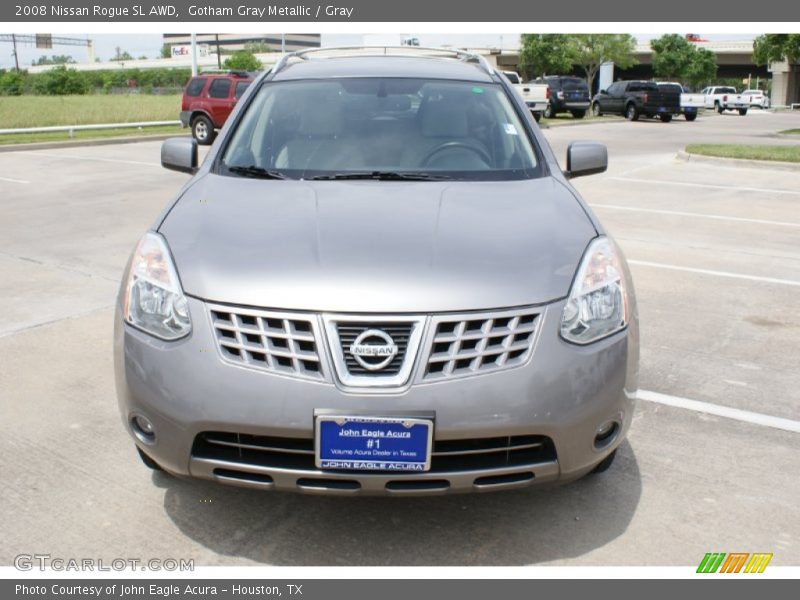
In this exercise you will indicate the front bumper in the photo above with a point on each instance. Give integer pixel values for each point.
(561, 396)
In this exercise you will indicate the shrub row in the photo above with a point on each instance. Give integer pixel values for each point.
(62, 81)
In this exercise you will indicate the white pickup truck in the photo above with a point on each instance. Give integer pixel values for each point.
(691, 104)
(722, 98)
(535, 95)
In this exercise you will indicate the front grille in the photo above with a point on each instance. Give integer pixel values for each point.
(399, 332)
(279, 342)
(447, 455)
(480, 344)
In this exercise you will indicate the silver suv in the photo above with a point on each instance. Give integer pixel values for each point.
(379, 281)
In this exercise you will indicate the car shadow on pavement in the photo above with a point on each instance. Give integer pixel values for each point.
(506, 528)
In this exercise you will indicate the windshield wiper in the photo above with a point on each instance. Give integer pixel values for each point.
(259, 172)
(386, 176)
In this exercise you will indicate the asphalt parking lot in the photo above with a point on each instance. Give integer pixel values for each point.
(715, 252)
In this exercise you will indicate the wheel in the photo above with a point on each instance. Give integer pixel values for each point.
(665, 118)
(149, 462)
(578, 114)
(631, 112)
(203, 130)
(743, 111)
(537, 116)
(548, 111)
(690, 116)
(718, 108)
(605, 464)
(596, 110)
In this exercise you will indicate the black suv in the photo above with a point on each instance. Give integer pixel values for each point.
(567, 94)
(633, 99)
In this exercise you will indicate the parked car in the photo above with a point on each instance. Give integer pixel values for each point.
(633, 99)
(534, 95)
(722, 98)
(756, 98)
(567, 94)
(208, 99)
(690, 104)
(380, 282)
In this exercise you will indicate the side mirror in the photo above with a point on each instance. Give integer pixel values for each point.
(179, 154)
(586, 158)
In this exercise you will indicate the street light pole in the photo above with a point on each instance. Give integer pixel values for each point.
(14, 43)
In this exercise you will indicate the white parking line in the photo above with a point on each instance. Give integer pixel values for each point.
(736, 188)
(720, 411)
(12, 180)
(646, 263)
(94, 158)
(680, 213)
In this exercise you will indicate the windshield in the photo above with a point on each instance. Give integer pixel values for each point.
(404, 128)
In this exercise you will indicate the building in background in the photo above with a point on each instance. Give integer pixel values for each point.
(231, 42)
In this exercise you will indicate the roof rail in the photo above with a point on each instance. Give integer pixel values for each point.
(234, 72)
(345, 51)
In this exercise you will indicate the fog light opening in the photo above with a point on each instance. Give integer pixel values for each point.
(606, 434)
(143, 429)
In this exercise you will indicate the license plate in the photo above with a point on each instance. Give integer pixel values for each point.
(373, 443)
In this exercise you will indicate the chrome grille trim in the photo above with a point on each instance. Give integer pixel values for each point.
(473, 344)
(398, 375)
(278, 342)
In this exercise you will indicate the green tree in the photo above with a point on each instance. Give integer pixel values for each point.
(702, 68)
(776, 47)
(166, 51)
(242, 61)
(594, 49)
(544, 54)
(56, 59)
(121, 54)
(61, 81)
(12, 83)
(672, 56)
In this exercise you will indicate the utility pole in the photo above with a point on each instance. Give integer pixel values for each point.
(194, 55)
(14, 43)
(219, 58)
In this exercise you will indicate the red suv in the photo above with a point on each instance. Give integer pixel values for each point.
(208, 99)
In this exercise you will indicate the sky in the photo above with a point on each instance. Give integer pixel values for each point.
(150, 44)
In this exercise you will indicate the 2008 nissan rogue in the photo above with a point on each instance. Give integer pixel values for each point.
(379, 281)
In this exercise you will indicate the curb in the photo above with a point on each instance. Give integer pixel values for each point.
(85, 143)
(770, 165)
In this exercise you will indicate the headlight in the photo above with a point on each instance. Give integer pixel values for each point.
(154, 301)
(598, 301)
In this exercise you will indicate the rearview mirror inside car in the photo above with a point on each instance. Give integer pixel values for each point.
(179, 154)
(586, 158)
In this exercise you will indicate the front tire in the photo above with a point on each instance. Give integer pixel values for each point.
(665, 118)
(548, 111)
(537, 116)
(203, 130)
(631, 112)
(605, 464)
(742, 111)
(149, 462)
(596, 110)
(690, 116)
(578, 114)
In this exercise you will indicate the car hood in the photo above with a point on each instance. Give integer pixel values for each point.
(377, 246)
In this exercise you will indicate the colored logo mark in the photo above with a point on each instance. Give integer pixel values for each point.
(734, 562)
